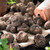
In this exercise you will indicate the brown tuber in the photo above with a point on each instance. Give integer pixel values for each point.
(23, 27)
(31, 4)
(21, 8)
(47, 25)
(6, 16)
(28, 20)
(11, 28)
(40, 41)
(15, 20)
(35, 29)
(9, 37)
(2, 25)
(38, 20)
(22, 36)
(31, 38)
(30, 11)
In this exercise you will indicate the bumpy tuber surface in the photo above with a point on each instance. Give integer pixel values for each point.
(40, 41)
(30, 11)
(38, 20)
(35, 29)
(2, 25)
(22, 36)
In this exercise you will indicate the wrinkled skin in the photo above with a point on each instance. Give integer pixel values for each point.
(35, 29)
(40, 41)
(22, 36)
(38, 20)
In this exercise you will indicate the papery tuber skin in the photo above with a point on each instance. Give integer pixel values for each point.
(2, 25)
(22, 37)
(23, 27)
(9, 37)
(11, 28)
(47, 25)
(40, 41)
(38, 20)
(35, 29)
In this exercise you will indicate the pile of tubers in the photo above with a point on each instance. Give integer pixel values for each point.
(22, 28)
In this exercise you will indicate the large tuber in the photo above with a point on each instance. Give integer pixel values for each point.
(35, 29)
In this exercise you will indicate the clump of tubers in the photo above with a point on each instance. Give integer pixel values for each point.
(35, 29)
(15, 20)
(40, 38)
(22, 36)
(6, 16)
